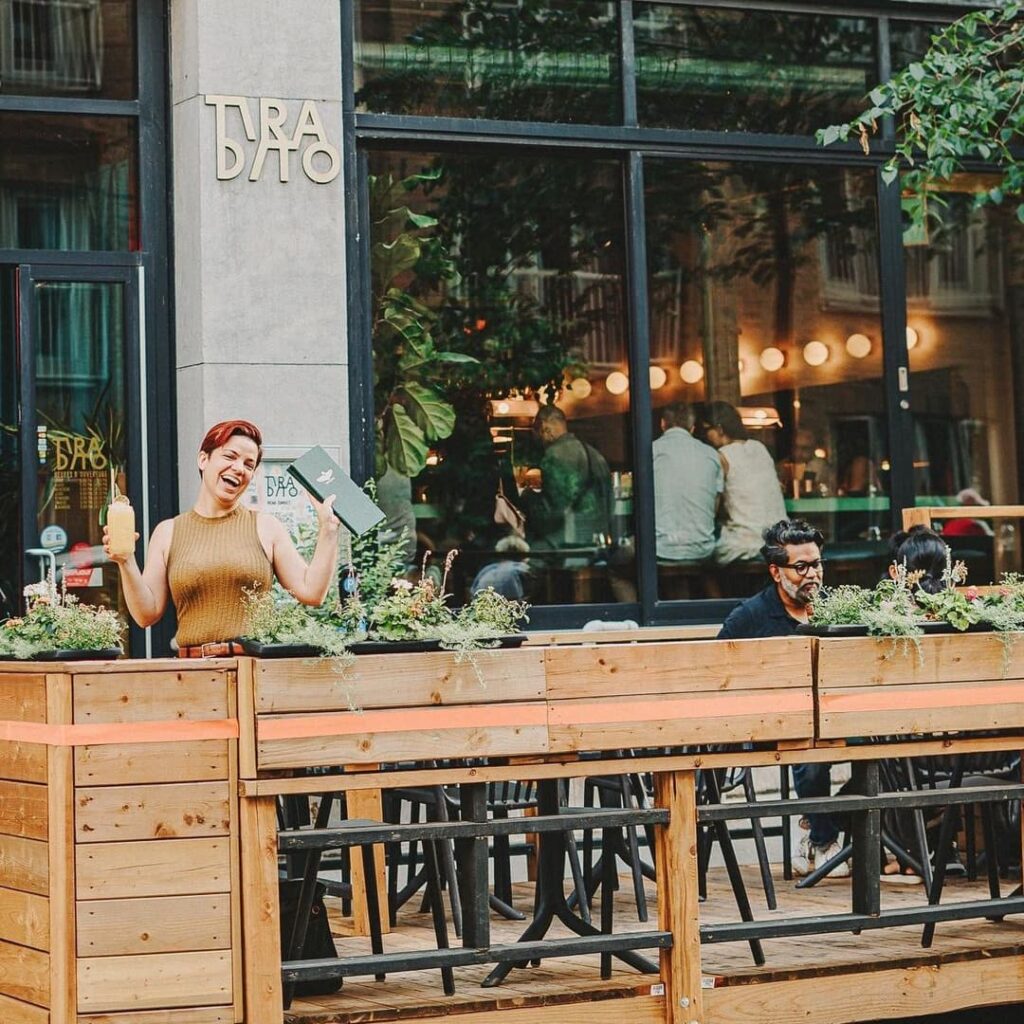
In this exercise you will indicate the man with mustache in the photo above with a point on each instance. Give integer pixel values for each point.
(792, 549)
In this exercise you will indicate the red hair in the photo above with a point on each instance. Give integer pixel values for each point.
(220, 433)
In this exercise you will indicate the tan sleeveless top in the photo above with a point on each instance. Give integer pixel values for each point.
(208, 564)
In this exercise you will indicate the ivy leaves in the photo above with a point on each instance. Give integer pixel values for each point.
(963, 100)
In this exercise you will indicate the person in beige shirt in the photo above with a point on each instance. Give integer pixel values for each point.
(204, 559)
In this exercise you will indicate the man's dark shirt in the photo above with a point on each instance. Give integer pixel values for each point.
(761, 615)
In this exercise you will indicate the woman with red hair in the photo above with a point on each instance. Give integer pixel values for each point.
(203, 559)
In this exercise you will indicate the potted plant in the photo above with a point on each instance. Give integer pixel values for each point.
(57, 627)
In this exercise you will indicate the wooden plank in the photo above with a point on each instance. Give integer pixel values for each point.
(870, 995)
(22, 697)
(189, 810)
(14, 1011)
(245, 710)
(24, 864)
(560, 766)
(24, 919)
(24, 762)
(234, 844)
(23, 810)
(149, 696)
(159, 981)
(359, 748)
(261, 913)
(159, 867)
(161, 924)
(908, 721)
(678, 896)
(367, 804)
(206, 1015)
(24, 974)
(925, 514)
(641, 1009)
(398, 681)
(116, 764)
(674, 668)
(60, 789)
(678, 726)
(965, 657)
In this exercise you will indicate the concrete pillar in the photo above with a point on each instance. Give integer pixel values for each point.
(259, 265)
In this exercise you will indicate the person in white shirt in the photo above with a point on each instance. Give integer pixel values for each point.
(752, 499)
(688, 485)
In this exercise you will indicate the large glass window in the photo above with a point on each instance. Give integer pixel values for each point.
(765, 323)
(966, 348)
(67, 182)
(514, 60)
(10, 463)
(68, 48)
(500, 365)
(726, 69)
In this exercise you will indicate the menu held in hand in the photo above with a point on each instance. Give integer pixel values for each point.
(322, 477)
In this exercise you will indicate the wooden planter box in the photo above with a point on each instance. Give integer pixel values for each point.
(119, 899)
(299, 713)
(869, 686)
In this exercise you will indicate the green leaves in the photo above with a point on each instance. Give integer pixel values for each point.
(428, 410)
(961, 101)
(404, 443)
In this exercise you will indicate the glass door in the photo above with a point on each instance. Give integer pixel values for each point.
(81, 423)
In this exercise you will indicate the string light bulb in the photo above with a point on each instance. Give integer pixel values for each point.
(858, 345)
(658, 377)
(815, 353)
(691, 371)
(617, 383)
(772, 359)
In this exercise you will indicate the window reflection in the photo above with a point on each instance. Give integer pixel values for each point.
(514, 266)
(724, 69)
(765, 316)
(68, 48)
(67, 182)
(516, 60)
(963, 274)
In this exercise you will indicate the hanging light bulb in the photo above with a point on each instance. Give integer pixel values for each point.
(580, 388)
(617, 383)
(691, 371)
(773, 359)
(658, 377)
(912, 338)
(858, 345)
(815, 353)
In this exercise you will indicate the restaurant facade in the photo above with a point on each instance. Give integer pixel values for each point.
(401, 228)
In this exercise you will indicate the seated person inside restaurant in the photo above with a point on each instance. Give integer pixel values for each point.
(792, 549)
(688, 483)
(571, 505)
(752, 498)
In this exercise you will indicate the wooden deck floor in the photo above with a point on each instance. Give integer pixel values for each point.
(418, 994)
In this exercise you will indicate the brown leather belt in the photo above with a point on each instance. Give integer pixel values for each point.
(225, 649)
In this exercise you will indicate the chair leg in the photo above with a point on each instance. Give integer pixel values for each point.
(759, 845)
(372, 902)
(437, 911)
(943, 850)
(971, 843)
(787, 839)
(634, 855)
(608, 880)
(991, 855)
(501, 849)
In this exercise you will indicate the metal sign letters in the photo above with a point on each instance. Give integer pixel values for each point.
(321, 162)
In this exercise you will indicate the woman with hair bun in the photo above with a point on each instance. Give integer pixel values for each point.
(203, 559)
(923, 551)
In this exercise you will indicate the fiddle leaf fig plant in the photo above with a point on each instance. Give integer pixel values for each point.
(410, 369)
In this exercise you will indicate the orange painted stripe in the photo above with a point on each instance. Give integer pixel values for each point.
(402, 720)
(513, 715)
(118, 732)
(896, 698)
(658, 709)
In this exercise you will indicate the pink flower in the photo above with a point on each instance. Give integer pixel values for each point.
(972, 594)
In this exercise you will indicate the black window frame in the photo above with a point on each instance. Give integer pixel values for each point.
(631, 144)
(150, 111)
